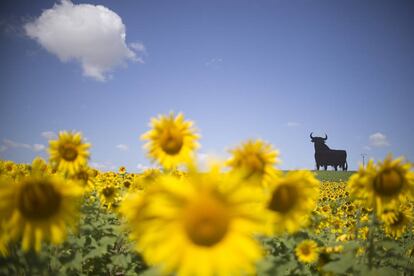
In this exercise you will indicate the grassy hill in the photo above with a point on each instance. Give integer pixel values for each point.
(335, 176)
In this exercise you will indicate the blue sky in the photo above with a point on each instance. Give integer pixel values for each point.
(275, 70)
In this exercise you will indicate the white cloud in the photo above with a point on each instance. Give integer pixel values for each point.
(12, 144)
(378, 140)
(215, 62)
(38, 147)
(98, 166)
(9, 144)
(49, 135)
(142, 167)
(292, 124)
(92, 35)
(139, 47)
(122, 147)
(367, 148)
(104, 166)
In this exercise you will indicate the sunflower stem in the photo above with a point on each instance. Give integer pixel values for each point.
(358, 216)
(371, 250)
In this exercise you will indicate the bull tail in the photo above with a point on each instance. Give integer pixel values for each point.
(346, 166)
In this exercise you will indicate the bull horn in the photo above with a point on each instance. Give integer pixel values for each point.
(326, 137)
(311, 135)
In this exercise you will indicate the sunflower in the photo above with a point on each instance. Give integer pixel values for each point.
(84, 176)
(388, 216)
(39, 207)
(3, 248)
(39, 165)
(9, 166)
(358, 181)
(290, 200)
(145, 179)
(396, 228)
(325, 210)
(383, 186)
(150, 175)
(108, 194)
(172, 141)
(69, 152)
(127, 182)
(255, 160)
(198, 225)
(307, 251)
(3, 241)
(122, 170)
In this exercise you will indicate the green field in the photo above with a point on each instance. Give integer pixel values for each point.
(334, 176)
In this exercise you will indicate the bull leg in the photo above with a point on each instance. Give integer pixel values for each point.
(336, 168)
(325, 167)
(317, 167)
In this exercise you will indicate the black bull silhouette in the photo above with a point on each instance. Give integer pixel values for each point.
(324, 156)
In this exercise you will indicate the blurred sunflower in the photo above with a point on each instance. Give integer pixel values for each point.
(3, 241)
(69, 153)
(9, 166)
(402, 220)
(84, 176)
(3, 248)
(255, 160)
(145, 179)
(39, 165)
(290, 200)
(122, 170)
(171, 141)
(358, 181)
(39, 207)
(307, 251)
(126, 183)
(384, 186)
(198, 225)
(108, 194)
(150, 175)
(388, 216)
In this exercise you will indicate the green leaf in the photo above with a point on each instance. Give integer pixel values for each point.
(96, 252)
(340, 266)
(384, 271)
(390, 245)
(121, 260)
(76, 262)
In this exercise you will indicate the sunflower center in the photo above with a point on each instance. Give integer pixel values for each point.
(206, 222)
(83, 176)
(68, 152)
(171, 142)
(399, 220)
(108, 191)
(127, 184)
(283, 199)
(39, 200)
(254, 164)
(305, 250)
(388, 183)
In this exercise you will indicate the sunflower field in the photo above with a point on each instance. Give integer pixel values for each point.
(241, 216)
